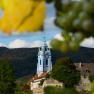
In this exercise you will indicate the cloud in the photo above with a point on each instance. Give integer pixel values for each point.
(58, 36)
(48, 43)
(2, 45)
(36, 44)
(18, 43)
(89, 42)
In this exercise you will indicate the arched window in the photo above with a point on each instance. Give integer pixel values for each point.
(40, 62)
(46, 62)
(40, 49)
(45, 49)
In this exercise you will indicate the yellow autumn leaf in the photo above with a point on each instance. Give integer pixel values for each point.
(35, 22)
(1, 4)
(22, 15)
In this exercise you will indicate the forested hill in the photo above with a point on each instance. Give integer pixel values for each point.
(25, 59)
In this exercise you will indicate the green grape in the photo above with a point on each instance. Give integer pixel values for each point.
(87, 25)
(75, 18)
(66, 36)
(71, 15)
(66, 5)
(58, 6)
(56, 44)
(74, 46)
(77, 23)
(66, 2)
(77, 6)
(65, 47)
(79, 37)
(63, 22)
(88, 6)
(60, 14)
(83, 15)
(59, 21)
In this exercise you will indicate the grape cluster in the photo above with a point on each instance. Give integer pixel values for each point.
(76, 20)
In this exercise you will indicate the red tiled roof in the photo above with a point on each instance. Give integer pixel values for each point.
(36, 77)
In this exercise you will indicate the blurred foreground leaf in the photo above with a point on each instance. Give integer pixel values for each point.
(22, 15)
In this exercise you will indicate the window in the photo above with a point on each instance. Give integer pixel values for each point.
(40, 62)
(46, 62)
(45, 49)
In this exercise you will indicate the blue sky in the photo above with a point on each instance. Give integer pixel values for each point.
(50, 30)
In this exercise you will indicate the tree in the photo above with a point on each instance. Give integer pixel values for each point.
(91, 88)
(7, 85)
(52, 90)
(91, 77)
(59, 90)
(65, 71)
(22, 89)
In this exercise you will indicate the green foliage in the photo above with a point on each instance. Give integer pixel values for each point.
(7, 84)
(18, 90)
(91, 77)
(22, 90)
(7, 80)
(58, 90)
(48, 76)
(52, 90)
(91, 88)
(69, 91)
(56, 44)
(65, 71)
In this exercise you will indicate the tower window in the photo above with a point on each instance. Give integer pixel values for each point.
(40, 62)
(45, 49)
(40, 49)
(46, 62)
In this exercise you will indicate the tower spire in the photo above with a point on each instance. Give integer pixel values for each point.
(44, 58)
(44, 38)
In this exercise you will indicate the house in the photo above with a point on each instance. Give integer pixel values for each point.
(52, 82)
(36, 80)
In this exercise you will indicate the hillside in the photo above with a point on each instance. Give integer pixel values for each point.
(24, 60)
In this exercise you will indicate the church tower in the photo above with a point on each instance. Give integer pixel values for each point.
(44, 59)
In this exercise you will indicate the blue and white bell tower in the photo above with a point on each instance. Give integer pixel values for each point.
(44, 59)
